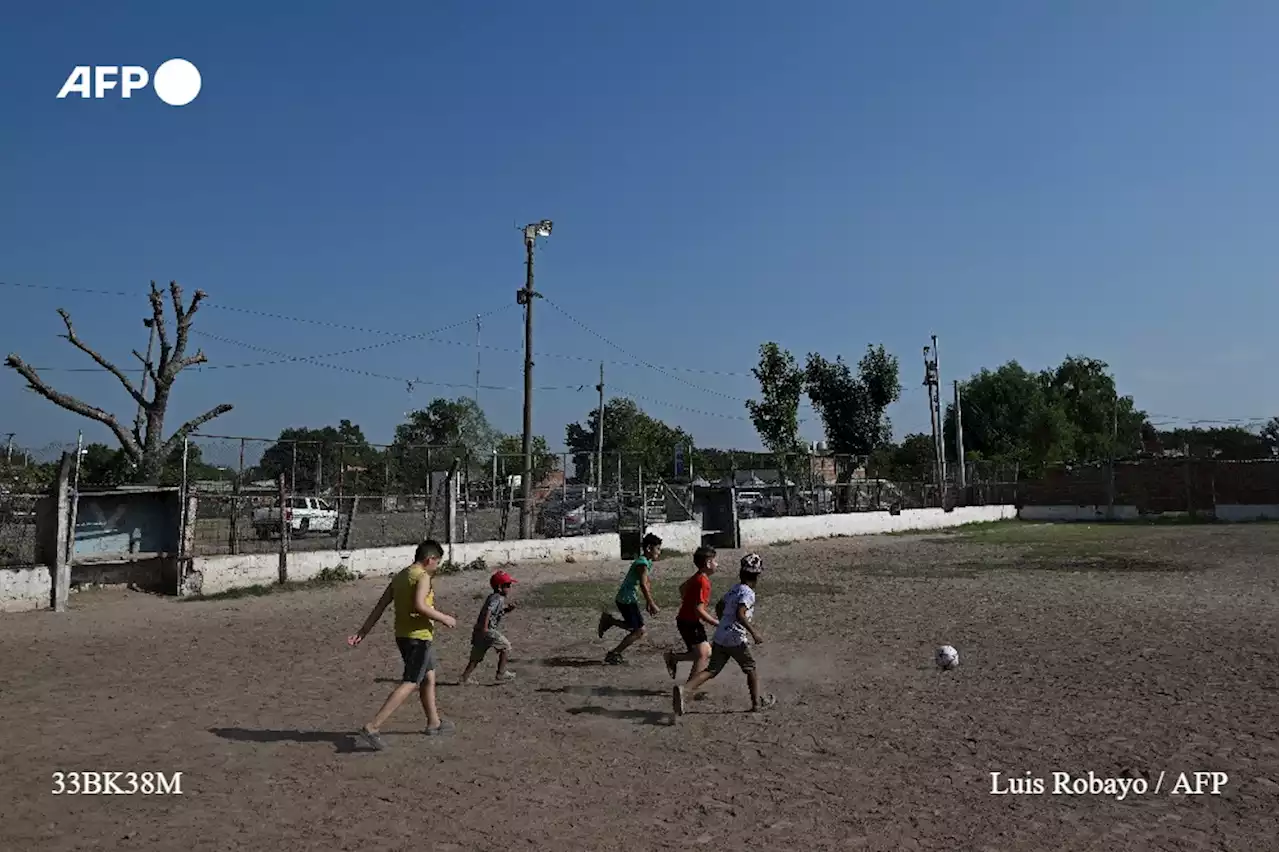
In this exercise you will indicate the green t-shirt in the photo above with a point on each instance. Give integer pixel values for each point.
(629, 591)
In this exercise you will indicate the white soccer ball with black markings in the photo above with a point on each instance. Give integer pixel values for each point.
(947, 658)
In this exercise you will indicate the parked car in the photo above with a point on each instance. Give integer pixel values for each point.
(557, 519)
(303, 514)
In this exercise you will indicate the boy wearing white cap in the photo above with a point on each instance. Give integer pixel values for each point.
(733, 639)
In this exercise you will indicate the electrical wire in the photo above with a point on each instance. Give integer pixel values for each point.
(412, 382)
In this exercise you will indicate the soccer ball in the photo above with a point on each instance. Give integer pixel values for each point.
(947, 657)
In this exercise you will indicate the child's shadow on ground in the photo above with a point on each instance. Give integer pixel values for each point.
(640, 717)
(603, 691)
(343, 742)
(572, 662)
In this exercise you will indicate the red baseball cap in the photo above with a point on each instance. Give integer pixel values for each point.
(500, 578)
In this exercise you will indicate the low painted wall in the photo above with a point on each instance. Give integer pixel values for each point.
(758, 532)
(23, 589)
(683, 536)
(1078, 513)
(213, 574)
(1237, 512)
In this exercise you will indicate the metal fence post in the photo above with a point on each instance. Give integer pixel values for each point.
(283, 569)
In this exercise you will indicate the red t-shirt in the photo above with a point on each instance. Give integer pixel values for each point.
(696, 590)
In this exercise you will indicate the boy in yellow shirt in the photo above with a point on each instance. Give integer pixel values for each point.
(410, 590)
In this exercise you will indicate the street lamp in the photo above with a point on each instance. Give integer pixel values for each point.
(525, 297)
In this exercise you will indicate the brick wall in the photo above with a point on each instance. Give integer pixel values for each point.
(1158, 485)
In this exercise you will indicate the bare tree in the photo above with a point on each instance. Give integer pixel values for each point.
(144, 445)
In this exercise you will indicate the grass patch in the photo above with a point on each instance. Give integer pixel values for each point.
(451, 567)
(328, 578)
(599, 594)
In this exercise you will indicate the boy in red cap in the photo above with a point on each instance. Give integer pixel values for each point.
(486, 634)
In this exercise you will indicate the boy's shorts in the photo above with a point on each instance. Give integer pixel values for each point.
(481, 643)
(722, 654)
(419, 657)
(694, 633)
(632, 616)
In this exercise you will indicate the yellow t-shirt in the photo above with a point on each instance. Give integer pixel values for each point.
(410, 624)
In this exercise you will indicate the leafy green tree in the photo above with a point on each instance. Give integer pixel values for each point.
(1269, 433)
(643, 442)
(313, 460)
(433, 437)
(909, 461)
(776, 415)
(852, 407)
(511, 457)
(1070, 413)
(1230, 443)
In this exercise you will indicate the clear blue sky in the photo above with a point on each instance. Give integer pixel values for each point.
(1025, 180)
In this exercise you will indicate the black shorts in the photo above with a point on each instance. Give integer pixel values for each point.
(694, 633)
(632, 617)
(419, 658)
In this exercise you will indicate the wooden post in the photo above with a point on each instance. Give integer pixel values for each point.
(351, 522)
(451, 504)
(61, 558)
(283, 574)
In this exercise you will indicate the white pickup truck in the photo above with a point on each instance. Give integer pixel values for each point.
(304, 515)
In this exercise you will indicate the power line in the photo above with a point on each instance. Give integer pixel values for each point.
(651, 366)
(212, 304)
(286, 358)
(667, 370)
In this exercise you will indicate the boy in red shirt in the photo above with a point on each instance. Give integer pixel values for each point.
(693, 617)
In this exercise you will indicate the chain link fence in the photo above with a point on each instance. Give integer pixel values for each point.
(772, 485)
(26, 476)
(369, 495)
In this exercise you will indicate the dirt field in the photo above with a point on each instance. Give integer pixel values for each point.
(1128, 652)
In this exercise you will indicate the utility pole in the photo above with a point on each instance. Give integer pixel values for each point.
(8, 448)
(600, 436)
(525, 297)
(937, 403)
(935, 418)
(960, 468)
(477, 360)
(1111, 459)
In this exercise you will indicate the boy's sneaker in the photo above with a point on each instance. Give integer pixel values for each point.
(612, 659)
(373, 739)
(603, 625)
(765, 702)
(467, 681)
(677, 699)
(445, 729)
(505, 677)
(670, 660)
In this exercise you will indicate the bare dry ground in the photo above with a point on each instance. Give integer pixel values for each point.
(1118, 650)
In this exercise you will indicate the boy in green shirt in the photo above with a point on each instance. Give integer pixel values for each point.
(636, 583)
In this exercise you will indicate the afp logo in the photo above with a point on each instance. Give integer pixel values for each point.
(176, 82)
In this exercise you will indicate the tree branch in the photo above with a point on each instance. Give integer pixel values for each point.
(75, 406)
(177, 360)
(157, 319)
(192, 425)
(102, 362)
(146, 365)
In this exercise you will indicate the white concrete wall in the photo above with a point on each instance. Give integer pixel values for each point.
(1236, 512)
(222, 573)
(758, 532)
(23, 589)
(1077, 513)
(684, 536)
